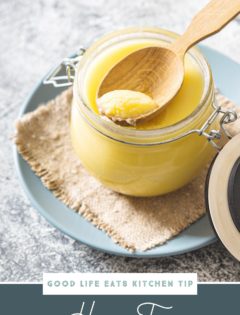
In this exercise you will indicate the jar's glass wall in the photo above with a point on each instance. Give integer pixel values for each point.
(138, 167)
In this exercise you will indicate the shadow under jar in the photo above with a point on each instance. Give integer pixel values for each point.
(151, 159)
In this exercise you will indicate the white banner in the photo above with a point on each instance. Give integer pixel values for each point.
(120, 284)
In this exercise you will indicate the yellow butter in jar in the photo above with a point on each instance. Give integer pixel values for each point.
(156, 156)
(120, 105)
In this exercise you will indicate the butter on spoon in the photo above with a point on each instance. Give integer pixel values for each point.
(159, 71)
(126, 106)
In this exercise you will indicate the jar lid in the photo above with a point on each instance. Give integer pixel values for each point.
(222, 195)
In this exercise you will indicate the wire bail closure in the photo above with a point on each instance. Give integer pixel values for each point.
(67, 64)
(228, 116)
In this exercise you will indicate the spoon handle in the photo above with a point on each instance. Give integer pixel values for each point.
(210, 20)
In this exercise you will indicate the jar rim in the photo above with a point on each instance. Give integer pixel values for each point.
(132, 134)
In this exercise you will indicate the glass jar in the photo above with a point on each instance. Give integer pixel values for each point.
(143, 162)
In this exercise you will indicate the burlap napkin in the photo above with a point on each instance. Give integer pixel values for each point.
(42, 138)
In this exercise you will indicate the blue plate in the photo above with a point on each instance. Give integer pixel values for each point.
(226, 75)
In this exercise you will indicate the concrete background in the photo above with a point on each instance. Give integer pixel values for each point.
(33, 36)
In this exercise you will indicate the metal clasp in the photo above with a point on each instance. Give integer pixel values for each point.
(67, 64)
(229, 116)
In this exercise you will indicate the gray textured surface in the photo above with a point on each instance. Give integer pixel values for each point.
(34, 34)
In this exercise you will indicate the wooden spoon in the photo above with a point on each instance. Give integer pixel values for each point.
(159, 71)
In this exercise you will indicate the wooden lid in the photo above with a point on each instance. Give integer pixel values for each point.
(223, 195)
